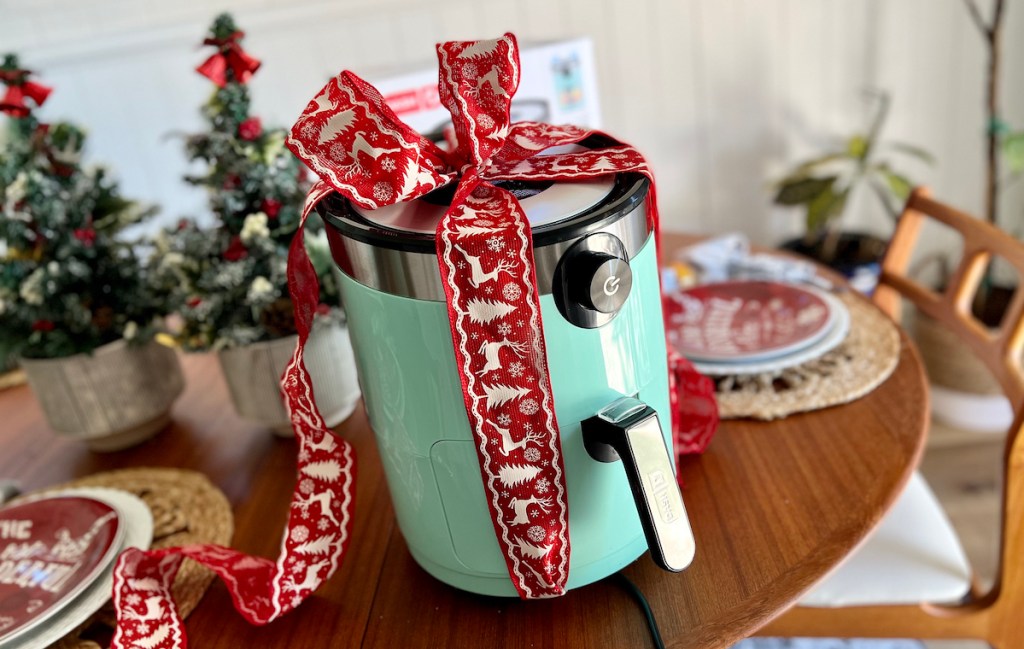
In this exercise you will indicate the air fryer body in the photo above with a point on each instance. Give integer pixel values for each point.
(414, 401)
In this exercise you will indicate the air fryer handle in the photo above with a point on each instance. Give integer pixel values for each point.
(628, 429)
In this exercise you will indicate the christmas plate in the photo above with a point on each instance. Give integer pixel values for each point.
(833, 336)
(135, 528)
(50, 551)
(744, 321)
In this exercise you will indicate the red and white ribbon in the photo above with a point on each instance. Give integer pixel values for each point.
(360, 149)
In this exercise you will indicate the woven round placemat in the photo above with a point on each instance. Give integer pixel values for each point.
(187, 508)
(855, 367)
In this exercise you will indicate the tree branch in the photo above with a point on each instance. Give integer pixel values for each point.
(979, 22)
(997, 18)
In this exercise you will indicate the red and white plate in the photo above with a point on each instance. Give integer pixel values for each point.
(51, 550)
(761, 348)
(744, 321)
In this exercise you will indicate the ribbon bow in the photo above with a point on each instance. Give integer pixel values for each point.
(349, 136)
(229, 55)
(18, 88)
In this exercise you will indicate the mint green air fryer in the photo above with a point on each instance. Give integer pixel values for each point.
(597, 275)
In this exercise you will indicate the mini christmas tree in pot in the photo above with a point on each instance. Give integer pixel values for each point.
(228, 282)
(76, 307)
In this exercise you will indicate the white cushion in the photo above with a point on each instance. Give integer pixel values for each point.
(913, 556)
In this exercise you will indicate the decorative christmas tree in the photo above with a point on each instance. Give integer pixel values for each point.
(69, 281)
(229, 282)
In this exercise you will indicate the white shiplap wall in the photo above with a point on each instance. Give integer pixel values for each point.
(721, 94)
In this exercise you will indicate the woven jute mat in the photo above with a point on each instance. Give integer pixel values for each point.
(855, 367)
(187, 508)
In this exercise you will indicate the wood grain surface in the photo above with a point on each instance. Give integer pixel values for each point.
(773, 507)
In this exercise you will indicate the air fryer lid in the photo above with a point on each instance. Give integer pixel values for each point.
(545, 204)
(392, 249)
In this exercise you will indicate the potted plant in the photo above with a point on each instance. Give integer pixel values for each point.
(75, 305)
(824, 186)
(228, 282)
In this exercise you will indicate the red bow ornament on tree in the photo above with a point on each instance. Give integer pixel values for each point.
(360, 149)
(18, 88)
(229, 55)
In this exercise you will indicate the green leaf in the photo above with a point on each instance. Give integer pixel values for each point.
(899, 185)
(857, 147)
(912, 150)
(1013, 149)
(802, 190)
(826, 206)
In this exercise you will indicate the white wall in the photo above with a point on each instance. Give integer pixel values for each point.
(721, 94)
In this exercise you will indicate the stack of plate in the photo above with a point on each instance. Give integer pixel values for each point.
(754, 327)
(57, 554)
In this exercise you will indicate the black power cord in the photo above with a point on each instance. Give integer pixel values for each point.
(652, 624)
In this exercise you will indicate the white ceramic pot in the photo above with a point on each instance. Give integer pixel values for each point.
(116, 397)
(253, 374)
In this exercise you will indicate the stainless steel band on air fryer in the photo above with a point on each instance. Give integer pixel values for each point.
(379, 249)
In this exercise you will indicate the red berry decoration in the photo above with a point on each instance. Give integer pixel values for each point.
(43, 325)
(86, 235)
(236, 250)
(270, 207)
(250, 129)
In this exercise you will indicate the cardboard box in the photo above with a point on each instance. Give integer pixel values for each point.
(558, 85)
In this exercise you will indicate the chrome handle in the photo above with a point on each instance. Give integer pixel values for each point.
(628, 429)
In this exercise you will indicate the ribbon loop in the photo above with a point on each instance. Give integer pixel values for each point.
(351, 138)
(477, 82)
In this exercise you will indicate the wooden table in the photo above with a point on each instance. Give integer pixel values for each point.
(773, 507)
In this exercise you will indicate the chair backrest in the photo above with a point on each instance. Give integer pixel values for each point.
(999, 349)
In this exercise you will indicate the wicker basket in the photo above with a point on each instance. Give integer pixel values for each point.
(116, 397)
(253, 374)
(965, 395)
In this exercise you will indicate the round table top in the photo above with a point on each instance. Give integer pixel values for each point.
(773, 505)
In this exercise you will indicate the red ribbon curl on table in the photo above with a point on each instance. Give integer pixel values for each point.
(359, 148)
(18, 88)
(229, 55)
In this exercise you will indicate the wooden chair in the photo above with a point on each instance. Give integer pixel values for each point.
(997, 616)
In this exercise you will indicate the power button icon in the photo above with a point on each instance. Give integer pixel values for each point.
(609, 284)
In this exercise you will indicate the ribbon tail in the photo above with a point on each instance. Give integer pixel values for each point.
(691, 394)
(485, 255)
(319, 521)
